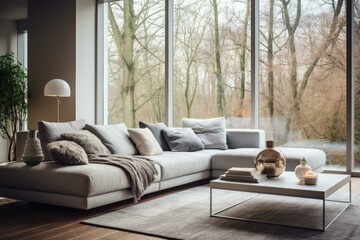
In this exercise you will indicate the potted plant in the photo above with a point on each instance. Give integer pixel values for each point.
(13, 104)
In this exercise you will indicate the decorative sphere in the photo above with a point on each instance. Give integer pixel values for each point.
(270, 161)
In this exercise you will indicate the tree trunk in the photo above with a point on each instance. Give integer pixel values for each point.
(335, 27)
(187, 89)
(270, 67)
(128, 58)
(191, 58)
(291, 29)
(116, 35)
(12, 149)
(124, 42)
(218, 71)
(298, 91)
(243, 58)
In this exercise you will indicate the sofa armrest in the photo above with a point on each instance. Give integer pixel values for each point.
(245, 138)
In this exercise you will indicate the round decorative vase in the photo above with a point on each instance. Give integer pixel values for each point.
(270, 161)
(302, 169)
(33, 154)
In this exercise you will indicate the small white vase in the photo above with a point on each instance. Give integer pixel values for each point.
(301, 169)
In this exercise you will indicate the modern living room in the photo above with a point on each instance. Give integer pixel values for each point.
(284, 71)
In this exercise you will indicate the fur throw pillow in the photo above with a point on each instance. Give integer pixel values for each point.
(88, 141)
(67, 153)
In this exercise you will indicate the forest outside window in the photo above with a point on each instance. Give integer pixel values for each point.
(303, 75)
(302, 69)
(136, 52)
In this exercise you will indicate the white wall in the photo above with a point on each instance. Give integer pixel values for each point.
(85, 60)
(8, 43)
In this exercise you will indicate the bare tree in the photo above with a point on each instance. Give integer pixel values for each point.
(218, 71)
(137, 38)
(357, 80)
(242, 56)
(299, 86)
(191, 54)
(270, 65)
(124, 41)
(291, 29)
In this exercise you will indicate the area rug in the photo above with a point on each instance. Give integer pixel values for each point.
(185, 215)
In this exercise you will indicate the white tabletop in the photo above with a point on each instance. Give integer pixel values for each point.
(287, 184)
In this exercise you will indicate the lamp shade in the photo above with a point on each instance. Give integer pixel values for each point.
(57, 88)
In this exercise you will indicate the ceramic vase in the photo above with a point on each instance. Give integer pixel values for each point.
(270, 161)
(33, 154)
(301, 169)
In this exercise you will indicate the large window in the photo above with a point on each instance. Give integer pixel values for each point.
(136, 52)
(303, 73)
(211, 60)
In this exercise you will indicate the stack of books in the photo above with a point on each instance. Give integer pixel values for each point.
(243, 175)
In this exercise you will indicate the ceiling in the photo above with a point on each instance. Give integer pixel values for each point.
(13, 9)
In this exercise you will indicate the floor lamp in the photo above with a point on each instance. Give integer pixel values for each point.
(57, 88)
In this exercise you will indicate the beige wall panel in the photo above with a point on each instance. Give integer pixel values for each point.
(51, 54)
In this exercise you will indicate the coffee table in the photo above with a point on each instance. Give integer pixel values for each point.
(287, 185)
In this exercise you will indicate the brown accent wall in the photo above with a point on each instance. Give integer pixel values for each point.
(52, 53)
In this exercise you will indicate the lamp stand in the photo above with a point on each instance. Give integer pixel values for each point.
(58, 108)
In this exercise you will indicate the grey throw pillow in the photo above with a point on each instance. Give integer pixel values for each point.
(211, 131)
(67, 153)
(88, 141)
(50, 132)
(115, 137)
(156, 128)
(182, 140)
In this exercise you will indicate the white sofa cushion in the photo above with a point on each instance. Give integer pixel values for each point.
(244, 157)
(241, 157)
(77, 180)
(175, 164)
(315, 158)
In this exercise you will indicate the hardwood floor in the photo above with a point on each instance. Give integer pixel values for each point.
(22, 220)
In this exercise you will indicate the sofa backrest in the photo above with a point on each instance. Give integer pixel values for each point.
(245, 138)
(236, 138)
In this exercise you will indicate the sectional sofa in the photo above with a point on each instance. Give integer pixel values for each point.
(93, 185)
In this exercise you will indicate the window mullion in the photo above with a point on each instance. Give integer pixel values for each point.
(349, 86)
(169, 58)
(255, 63)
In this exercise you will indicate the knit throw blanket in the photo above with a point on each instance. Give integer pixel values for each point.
(140, 170)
